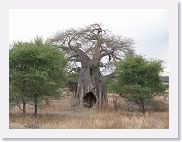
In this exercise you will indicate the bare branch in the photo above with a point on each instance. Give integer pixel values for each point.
(93, 42)
(19, 106)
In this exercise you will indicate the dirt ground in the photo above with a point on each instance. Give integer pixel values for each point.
(118, 115)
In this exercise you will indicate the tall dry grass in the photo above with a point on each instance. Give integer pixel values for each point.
(60, 115)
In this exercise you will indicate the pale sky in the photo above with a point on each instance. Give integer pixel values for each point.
(148, 28)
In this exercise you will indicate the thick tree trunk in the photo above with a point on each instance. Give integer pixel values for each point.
(90, 88)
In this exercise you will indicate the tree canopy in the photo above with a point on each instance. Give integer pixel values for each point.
(138, 80)
(36, 70)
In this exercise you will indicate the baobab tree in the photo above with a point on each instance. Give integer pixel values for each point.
(96, 49)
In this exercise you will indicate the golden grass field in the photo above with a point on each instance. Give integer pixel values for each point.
(118, 115)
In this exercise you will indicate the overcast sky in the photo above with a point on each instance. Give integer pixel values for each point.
(149, 28)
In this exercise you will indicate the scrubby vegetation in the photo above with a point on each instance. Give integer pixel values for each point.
(52, 91)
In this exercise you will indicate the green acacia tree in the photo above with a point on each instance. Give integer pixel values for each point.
(36, 71)
(138, 80)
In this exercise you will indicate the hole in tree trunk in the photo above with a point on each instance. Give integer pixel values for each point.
(91, 71)
(89, 100)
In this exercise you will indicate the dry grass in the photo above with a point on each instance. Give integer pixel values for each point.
(60, 115)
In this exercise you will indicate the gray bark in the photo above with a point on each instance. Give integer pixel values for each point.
(90, 81)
